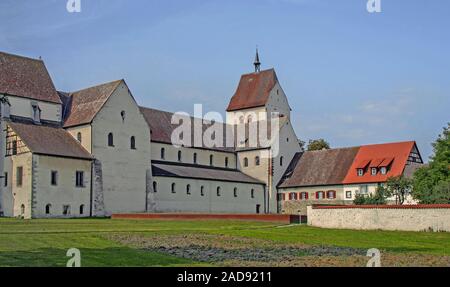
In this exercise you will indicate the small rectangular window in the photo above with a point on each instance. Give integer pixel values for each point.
(19, 176)
(80, 179)
(14, 147)
(348, 194)
(383, 170)
(54, 178)
(374, 171)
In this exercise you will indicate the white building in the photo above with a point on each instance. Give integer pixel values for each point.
(96, 152)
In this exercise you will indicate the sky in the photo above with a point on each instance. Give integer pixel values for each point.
(351, 77)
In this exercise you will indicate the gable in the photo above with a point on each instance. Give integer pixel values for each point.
(81, 107)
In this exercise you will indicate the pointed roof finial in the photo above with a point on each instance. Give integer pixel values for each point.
(257, 63)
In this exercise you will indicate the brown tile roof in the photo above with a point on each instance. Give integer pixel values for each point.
(82, 106)
(49, 141)
(325, 167)
(26, 77)
(161, 128)
(253, 90)
(167, 169)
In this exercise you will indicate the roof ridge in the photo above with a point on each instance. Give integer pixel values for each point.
(252, 73)
(96, 86)
(22, 57)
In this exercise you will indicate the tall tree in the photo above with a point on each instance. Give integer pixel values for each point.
(319, 144)
(398, 187)
(431, 183)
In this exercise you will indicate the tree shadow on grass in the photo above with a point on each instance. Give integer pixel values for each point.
(107, 257)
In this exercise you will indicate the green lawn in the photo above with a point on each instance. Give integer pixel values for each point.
(45, 242)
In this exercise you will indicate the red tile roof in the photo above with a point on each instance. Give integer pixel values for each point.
(253, 90)
(26, 77)
(82, 106)
(394, 155)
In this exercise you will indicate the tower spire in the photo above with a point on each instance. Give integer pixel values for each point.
(257, 63)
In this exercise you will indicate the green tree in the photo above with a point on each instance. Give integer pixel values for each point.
(319, 144)
(399, 187)
(379, 198)
(431, 182)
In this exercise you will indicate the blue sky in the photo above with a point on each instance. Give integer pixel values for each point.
(351, 77)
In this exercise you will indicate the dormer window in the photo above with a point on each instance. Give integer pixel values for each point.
(36, 112)
(360, 172)
(374, 171)
(383, 170)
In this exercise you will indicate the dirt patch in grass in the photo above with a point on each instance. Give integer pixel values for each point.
(225, 250)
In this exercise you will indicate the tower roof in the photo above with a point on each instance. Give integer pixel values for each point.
(253, 90)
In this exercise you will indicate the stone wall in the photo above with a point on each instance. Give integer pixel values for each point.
(299, 207)
(405, 218)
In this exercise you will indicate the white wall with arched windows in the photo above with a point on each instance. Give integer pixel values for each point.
(203, 196)
(193, 156)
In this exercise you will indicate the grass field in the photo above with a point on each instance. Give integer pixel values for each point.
(105, 242)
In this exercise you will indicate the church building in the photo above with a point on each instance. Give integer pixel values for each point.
(97, 152)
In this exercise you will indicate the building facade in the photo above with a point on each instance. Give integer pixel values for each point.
(96, 152)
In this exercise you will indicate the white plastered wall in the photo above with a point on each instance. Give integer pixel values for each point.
(124, 169)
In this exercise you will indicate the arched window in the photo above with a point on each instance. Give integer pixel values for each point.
(195, 158)
(202, 191)
(257, 161)
(250, 119)
(22, 209)
(133, 142)
(79, 137)
(235, 192)
(123, 115)
(163, 153)
(226, 162)
(110, 139)
(82, 209)
(252, 193)
(241, 119)
(245, 162)
(179, 155)
(281, 161)
(218, 191)
(48, 208)
(173, 188)
(211, 160)
(155, 186)
(188, 189)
